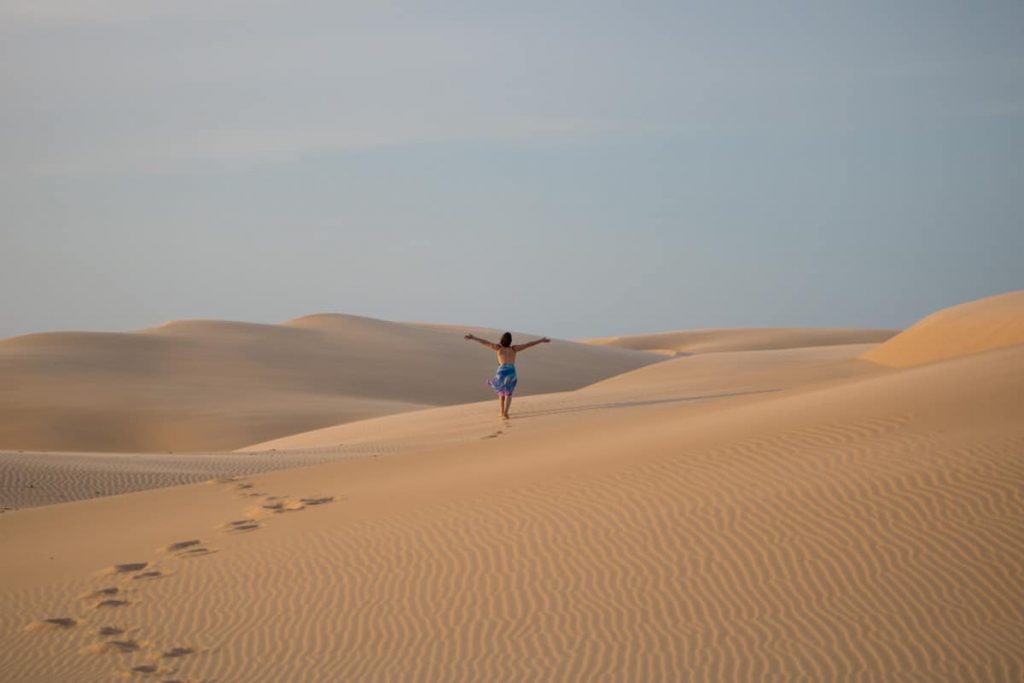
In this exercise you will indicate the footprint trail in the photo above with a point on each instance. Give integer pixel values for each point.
(112, 639)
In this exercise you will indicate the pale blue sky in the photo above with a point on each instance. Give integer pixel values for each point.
(582, 169)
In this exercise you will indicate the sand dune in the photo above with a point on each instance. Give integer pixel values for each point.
(204, 385)
(973, 327)
(866, 529)
(742, 339)
(690, 379)
(789, 514)
(34, 478)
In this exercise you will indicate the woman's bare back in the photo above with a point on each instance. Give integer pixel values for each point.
(506, 355)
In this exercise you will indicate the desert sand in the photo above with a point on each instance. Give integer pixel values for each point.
(199, 385)
(992, 323)
(787, 511)
(752, 339)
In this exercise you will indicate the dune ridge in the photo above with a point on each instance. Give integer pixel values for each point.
(200, 385)
(742, 339)
(973, 327)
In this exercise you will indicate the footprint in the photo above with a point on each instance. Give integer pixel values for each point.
(110, 631)
(127, 568)
(52, 623)
(240, 525)
(190, 548)
(111, 647)
(177, 652)
(146, 669)
(151, 574)
(244, 490)
(279, 506)
(180, 545)
(495, 435)
(101, 593)
(110, 602)
(317, 501)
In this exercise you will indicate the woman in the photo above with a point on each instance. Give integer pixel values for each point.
(504, 380)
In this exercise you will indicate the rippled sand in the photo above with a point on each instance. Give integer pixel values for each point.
(788, 514)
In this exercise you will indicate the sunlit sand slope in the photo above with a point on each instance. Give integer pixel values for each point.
(36, 478)
(691, 379)
(868, 528)
(204, 385)
(742, 339)
(973, 327)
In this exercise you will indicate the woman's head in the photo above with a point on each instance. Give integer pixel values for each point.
(506, 339)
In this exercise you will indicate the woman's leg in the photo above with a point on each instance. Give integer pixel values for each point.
(501, 404)
(508, 404)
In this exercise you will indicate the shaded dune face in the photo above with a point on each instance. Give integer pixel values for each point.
(974, 327)
(215, 385)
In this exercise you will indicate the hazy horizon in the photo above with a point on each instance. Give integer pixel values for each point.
(469, 325)
(577, 171)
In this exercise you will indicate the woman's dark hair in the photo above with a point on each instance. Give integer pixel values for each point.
(506, 339)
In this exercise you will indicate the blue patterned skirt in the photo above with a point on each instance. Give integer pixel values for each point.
(504, 380)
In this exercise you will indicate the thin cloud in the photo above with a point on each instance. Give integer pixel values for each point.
(111, 11)
(231, 148)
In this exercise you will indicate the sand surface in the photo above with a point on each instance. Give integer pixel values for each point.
(742, 339)
(199, 385)
(976, 326)
(40, 478)
(784, 514)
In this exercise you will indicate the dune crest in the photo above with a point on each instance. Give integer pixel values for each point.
(742, 339)
(198, 385)
(973, 327)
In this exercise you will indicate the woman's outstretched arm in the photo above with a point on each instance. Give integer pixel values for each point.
(478, 340)
(523, 347)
